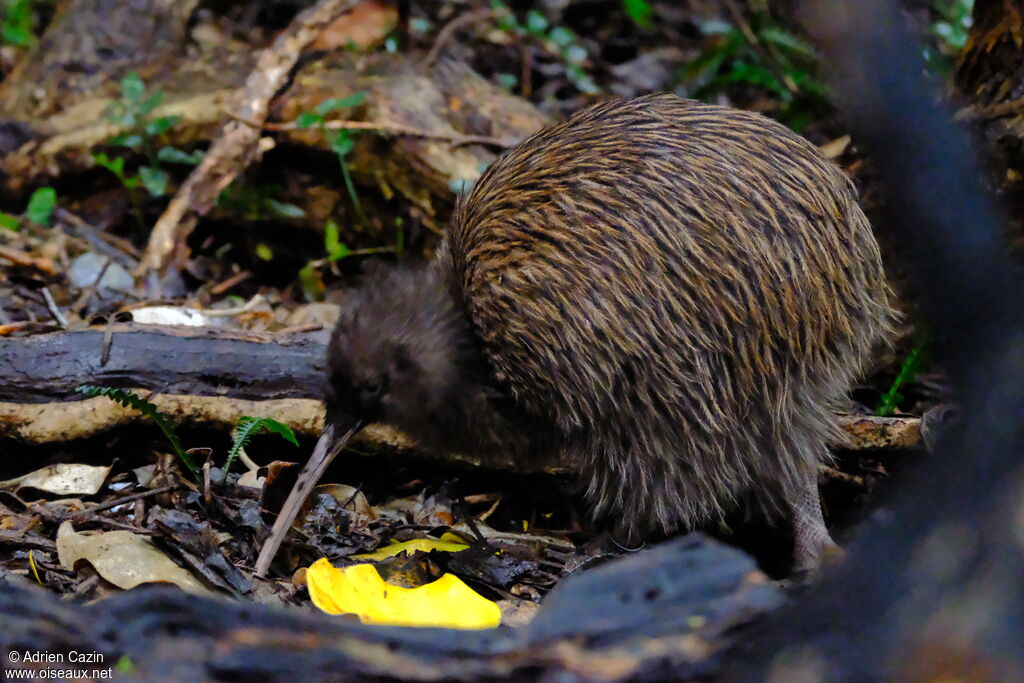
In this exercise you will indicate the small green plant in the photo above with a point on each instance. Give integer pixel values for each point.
(130, 399)
(336, 250)
(16, 23)
(40, 206)
(908, 371)
(399, 236)
(39, 210)
(248, 427)
(256, 203)
(950, 29)
(762, 55)
(129, 181)
(340, 141)
(955, 19)
(557, 39)
(124, 664)
(133, 112)
(640, 11)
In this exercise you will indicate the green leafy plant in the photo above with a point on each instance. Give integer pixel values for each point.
(257, 202)
(908, 371)
(640, 11)
(248, 427)
(16, 23)
(129, 181)
(340, 141)
(762, 55)
(173, 155)
(950, 29)
(130, 399)
(124, 664)
(557, 39)
(954, 23)
(133, 111)
(399, 235)
(40, 206)
(39, 210)
(336, 250)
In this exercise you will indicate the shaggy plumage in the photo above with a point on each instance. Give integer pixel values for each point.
(672, 292)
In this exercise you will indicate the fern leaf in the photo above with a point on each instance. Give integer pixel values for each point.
(249, 426)
(129, 399)
(908, 371)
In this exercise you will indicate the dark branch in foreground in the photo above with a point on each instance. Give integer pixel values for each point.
(624, 619)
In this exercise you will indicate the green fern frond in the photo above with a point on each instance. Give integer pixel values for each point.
(249, 426)
(908, 372)
(129, 399)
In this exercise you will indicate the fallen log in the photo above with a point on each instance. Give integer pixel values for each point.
(211, 378)
(166, 359)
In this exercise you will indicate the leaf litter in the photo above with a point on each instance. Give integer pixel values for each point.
(158, 524)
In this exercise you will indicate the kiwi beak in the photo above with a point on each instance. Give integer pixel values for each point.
(335, 436)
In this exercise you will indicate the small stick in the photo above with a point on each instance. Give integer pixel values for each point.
(457, 139)
(84, 514)
(254, 302)
(298, 329)
(52, 305)
(19, 258)
(445, 34)
(238, 277)
(90, 289)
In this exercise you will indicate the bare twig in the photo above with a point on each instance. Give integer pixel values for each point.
(26, 541)
(85, 514)
(297, 329)
(975, 112)
(457, 139)
(54, 311)
(20, 258)
(96, 236)
(833, 473)
(235, 279)
(108, 339)
(90, 289)
(445, 34)
(252, 303)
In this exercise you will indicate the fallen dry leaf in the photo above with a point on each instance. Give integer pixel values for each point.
(351, 498)
(123, 558)
(63, 479)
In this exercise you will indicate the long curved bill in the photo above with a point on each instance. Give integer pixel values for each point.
(329, 445)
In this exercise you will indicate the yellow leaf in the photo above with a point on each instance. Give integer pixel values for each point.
(424, 544)
(447, 602)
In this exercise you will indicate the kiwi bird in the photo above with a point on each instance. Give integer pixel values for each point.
(669, 293)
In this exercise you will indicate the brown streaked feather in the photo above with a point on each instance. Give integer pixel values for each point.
(680, 290)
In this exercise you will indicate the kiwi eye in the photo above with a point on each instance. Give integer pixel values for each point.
(372, 390)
